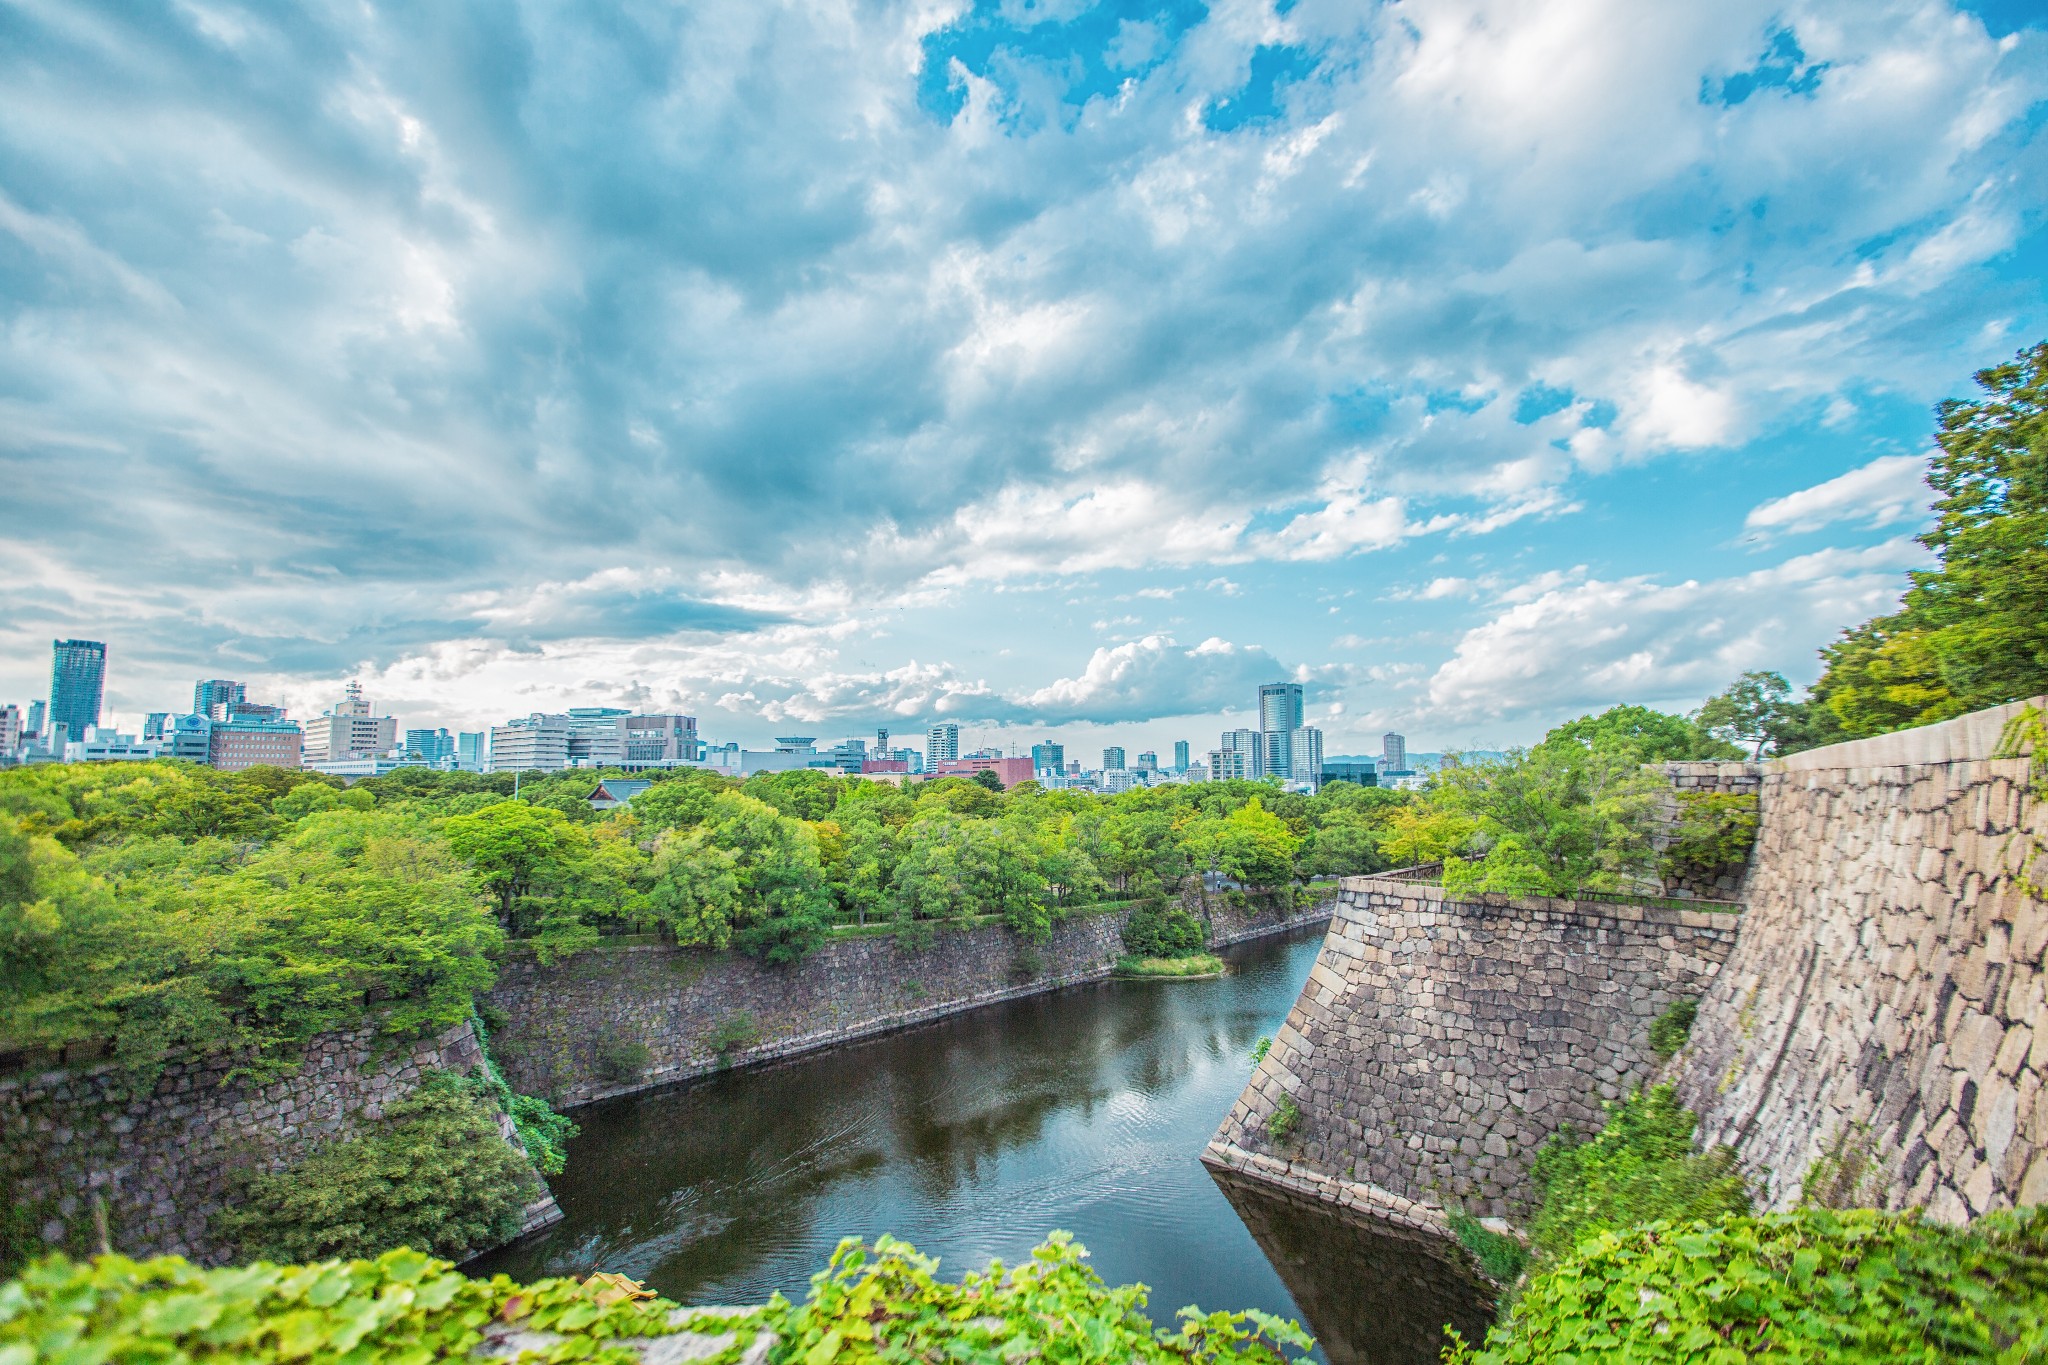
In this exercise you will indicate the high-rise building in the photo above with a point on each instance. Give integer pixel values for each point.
(208, 693)
(1180, 756)
(660, 741)
(249, 743)
(33, 726)
(1148, 761)
(1393, 753)
(1113, 759)
(345, 731)
(1250, 743)
(597, 736)
(1228, 764)
(10, 730)
(436, 748)
(78, 676)
(1048, 757)
(1280, 707)
(882, 741)
(153, 724)
(941, 745)
(1305, 755)
(469, 751)
(539, 741)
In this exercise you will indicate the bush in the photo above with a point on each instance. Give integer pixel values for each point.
(1640, 1168)
(1670, 1030)
(1812, 1285)
(1715, 833)
(1502, 1257)
(432, 1174)
(1156, 929)
(623, 1063)
(1286, 1118)
(736, 1030)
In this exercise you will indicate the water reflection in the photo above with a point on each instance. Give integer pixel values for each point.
(971, 1138)
(1372, 1293)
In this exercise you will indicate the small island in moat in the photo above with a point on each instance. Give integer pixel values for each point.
(1193, 967)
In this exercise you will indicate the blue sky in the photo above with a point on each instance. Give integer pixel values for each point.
(1051, 367)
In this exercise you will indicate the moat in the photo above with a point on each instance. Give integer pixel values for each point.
(972, 1138)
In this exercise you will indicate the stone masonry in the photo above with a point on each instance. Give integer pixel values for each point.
(561, 1019)
(1710, 779)
(1880, 1025)
(159, 1161)
(1438, 1042)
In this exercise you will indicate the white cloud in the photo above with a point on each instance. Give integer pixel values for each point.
(1889, 490)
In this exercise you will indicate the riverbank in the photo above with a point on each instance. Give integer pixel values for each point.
(622, 1020)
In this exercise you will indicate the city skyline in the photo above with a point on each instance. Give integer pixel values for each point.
(1477, 366)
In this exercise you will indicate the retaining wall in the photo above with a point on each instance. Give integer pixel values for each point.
(1880, 1024)
(1439, 1042)
(160, 1159)
(561, 1019)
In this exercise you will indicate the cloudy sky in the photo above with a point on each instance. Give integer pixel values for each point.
(1046, 366)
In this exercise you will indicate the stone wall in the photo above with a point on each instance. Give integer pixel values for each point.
(1880, 1023)
(560, 1020)
(1439, 1042)
(159, 1160)
(1707, 779)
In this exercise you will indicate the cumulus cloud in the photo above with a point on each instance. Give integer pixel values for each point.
(1888, 490)
(1595, 644)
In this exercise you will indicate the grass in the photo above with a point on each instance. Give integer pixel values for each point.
(1201, 964)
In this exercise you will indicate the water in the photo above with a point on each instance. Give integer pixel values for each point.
(972, 1138)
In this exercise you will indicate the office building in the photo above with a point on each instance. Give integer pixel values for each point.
(246, 710)
(1227, 765)
(665, 740)
(208, 693)
(186, 737)
(32, 728)
(1048, 757)
(1148, 761)
(1009, 771)
(435, 748)
(469, 751)
(882, 740)
(10, 731)
(1363, 774)
(1180, 755)
(153, 724)
(1115, 780)
(1252, 745)
(253, 743)
(78, 676)
(597, 736)
(941, 745)
(1113, 759)
(1305, 756)
(102, 745)
(536, 742)
(1393, 753)
(345, 730)
(1280, 707)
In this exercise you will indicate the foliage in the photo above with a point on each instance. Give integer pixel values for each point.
(1811, 1285)
(623, 1061)
(1642, 735)
(1197, 964)
(433, 1173)
(544, 1133)
(1639, 1168)
(1970, 632)
(1551, 820)
(1670, 1030)
(1286, 1118)
(1756, 710)
(1261, 1048)
(1500, 1255)
(1158, 929)
(885, 1302)
(2026, 736)
(736, 1030)
(1715, 833)
(403, 1306)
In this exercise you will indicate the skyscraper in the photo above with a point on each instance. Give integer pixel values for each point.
(211, 692)
(1048, 757)
(1279, 706)
(941, 745)
(78, 675)
(1113, 758)
(1252, 745)
(1180, 755)
(1393, 753)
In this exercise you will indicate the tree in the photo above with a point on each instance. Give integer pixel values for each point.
(1250, 845)
(1753, 711)
(1552, 819)
(1641, 734)
(986, 777)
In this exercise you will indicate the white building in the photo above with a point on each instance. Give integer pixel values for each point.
(941, 745)
(1226, 765)
(345, 730)
(102, 745)
(539, 741)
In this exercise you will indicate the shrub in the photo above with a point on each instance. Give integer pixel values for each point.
(1715, 832)
(1811, 1285)
(1286, 1118)
(544, 1133)
(432, 1174)
(623, 1062)
(736, 1030)
(1156, 929)
(1640, 1168)
(1260, 1049)
(1502, 1257)
(1670, 1030)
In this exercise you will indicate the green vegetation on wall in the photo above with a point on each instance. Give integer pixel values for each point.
(1715, 833)
(432, 1173)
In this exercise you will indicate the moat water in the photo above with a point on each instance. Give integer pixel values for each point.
(972, 1138)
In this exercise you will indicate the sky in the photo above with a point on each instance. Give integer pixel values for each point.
(1059, 369)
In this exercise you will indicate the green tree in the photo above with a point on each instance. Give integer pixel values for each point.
(1642, 735)
(1552, 819)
